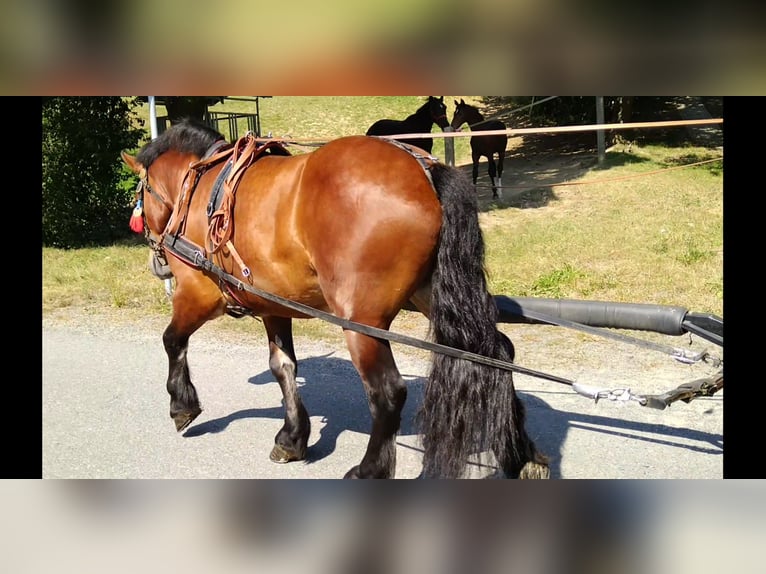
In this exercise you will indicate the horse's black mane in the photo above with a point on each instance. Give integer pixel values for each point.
(424, 111)
(419, 121)
(187, 136)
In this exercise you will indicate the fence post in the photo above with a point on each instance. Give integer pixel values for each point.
(600, 139)
(449, 148)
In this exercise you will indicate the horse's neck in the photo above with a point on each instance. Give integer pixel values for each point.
(422, 119)
(474, 117)
(174, 171)
(171, 170)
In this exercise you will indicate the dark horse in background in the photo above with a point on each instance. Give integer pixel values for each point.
(483, 146)
(433, 111)
(359, 228)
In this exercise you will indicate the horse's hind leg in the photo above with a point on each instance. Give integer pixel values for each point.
(500, 158)
(492, 174)
(522, 460)
(527, 462)
(291, 440)
(475, 159)
(386, 395)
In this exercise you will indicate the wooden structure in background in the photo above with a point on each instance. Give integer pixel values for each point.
(230, 124)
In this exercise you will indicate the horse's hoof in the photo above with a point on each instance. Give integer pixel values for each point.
(353, 473)
(184, 419)
(535, 470)
(281, 455)
(357, 473)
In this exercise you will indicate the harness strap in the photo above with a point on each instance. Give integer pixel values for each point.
(194, 255)
(221, 205)
(686, 392)
(216, 195)
(705, 387)
(181, 208)
(191, 254)
(220, 228)
(177, 222)
(425, 161)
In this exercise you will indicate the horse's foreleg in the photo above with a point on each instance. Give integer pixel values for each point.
(291, 440)
(386, 395)
(184, 403)
(190, 311)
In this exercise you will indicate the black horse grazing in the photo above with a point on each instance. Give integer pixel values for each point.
(433, 111)
(486, 146)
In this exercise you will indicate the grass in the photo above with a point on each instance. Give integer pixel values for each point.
(627, 231)
(653, 239)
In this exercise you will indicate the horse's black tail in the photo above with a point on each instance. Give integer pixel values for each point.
(468, 408)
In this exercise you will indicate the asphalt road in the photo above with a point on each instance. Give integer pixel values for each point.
(105, 408)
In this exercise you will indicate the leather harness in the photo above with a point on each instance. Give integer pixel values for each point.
(239, 158)
(220, 208)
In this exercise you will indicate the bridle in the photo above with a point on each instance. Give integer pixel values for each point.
(154, 240)
(436, 118)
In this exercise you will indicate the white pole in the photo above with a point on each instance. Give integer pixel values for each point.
(153, 116)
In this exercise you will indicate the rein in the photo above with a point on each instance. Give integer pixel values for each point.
(187, 252)
(242, 156)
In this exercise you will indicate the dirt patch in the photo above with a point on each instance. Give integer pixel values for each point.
(535, 162)
(533, 165)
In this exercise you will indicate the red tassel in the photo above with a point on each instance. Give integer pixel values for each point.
(137, 224)
(137, 220)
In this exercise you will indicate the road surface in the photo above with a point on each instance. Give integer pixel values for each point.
(105, 408)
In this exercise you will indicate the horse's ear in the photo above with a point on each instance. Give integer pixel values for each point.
(462, 102)
(131, 162)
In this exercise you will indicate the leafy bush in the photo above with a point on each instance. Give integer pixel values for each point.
(86, 192)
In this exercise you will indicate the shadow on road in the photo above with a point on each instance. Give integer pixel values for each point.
(549, 428)
(331, 389)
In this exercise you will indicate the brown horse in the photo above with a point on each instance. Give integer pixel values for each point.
(483, 146)
(359, 228)
(433, 111)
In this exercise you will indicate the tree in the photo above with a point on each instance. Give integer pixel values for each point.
(87, 192)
